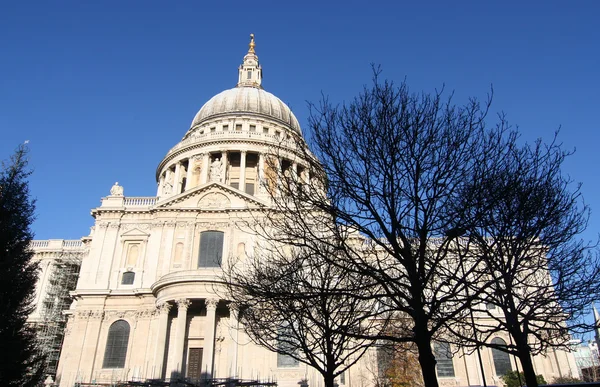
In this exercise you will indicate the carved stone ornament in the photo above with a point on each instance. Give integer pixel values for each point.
(144, 313)
(120, 314)
(216, 170)
(90, 314)
(214, 200)
(163, 308)
(116, 190)
(211, 303)
(183, 303)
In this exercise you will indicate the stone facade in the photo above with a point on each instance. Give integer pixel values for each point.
(149, 302)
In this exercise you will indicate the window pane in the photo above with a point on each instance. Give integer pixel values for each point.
(211, 249)
(116, 345)
(128, 278)
(250, 188)
(501, 358)
(284, 360)
(443, 356)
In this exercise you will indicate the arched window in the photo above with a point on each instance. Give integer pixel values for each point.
(127, 278)
(211, 249)
(116, 345)
(501, 358)
(443, 357)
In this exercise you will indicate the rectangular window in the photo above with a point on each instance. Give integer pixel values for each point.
(238, 127)
(225, 127)
(250, 188)
(211, 249)
(285, 344)
(253, 128)
(443, 356)
(265, 130)
(249, 74)
(128, 278)
(213, 129)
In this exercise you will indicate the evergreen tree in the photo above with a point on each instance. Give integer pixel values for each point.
(20, 361)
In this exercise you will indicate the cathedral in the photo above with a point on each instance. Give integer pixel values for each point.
(148, 301)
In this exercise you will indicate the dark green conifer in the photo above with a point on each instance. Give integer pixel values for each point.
(20, 361)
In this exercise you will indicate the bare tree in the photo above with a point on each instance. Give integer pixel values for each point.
(296, 303)
(540, 277)
(383, 187)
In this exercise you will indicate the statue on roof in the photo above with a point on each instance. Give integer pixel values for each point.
(116, 190)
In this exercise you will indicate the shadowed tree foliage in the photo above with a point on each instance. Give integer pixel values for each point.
(20, 362)
(515, 379)
(439, 216)
(541, 278)
(296, 303)
(382, 187)
(398, 366)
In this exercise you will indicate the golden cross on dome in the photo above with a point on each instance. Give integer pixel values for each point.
(252, 44)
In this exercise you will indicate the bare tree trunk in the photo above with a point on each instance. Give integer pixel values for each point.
(426, 358)
(329, 379)
(525, 357)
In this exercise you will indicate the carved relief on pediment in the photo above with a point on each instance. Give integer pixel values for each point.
(214, 200)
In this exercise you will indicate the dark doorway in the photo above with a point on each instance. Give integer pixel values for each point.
(194, 363)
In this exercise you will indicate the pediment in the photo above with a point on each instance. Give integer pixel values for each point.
(135, 233)
(212, 196)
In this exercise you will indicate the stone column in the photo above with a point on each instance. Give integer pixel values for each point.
(261, 173)
(234, 334)
(168, 174)
(205, 169)
(208, 354)
(278, 176)
(190, 169)
(161, 183)
(179, 342)
(243, 171)
(294, 175)
(177, 182)
(224, 164)
(159, 355)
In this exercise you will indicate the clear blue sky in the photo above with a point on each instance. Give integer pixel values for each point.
(103, 89)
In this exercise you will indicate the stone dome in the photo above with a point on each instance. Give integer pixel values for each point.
(247, 99)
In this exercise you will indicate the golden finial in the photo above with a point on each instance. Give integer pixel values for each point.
(252, 44)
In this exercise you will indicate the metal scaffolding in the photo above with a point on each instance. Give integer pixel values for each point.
(50, 330)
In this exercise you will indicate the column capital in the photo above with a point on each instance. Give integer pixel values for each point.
(163, 307)
(183, 303)
(211, 303)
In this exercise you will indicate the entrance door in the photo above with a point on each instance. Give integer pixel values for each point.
(194, 370)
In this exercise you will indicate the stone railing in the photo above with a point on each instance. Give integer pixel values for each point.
(72, 244)
(58, 244)
(235, 135)
(139, 201)
(39, 244)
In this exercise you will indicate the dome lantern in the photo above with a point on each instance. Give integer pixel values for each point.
(250, 72)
